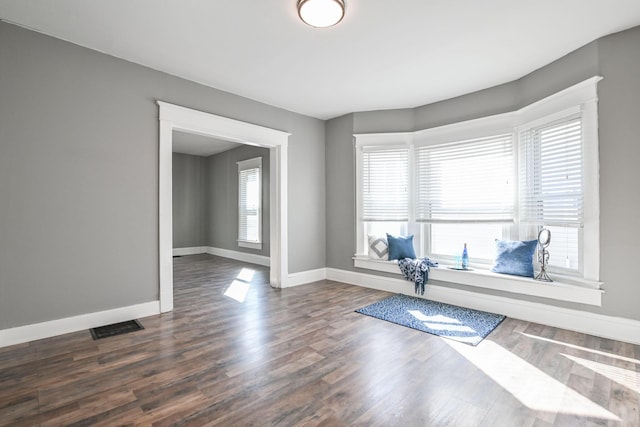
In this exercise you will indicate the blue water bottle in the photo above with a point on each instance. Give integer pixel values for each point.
(465, 257)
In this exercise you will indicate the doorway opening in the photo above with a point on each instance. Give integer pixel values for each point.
(174, 117)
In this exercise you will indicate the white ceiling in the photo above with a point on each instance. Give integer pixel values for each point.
(198, 145)
(384, 54)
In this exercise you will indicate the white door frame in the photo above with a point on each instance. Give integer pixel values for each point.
(174, 117)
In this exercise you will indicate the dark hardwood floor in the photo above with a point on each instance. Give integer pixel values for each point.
(301, 356)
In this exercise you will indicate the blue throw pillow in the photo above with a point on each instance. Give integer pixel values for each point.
(400, 247)
(515, 257)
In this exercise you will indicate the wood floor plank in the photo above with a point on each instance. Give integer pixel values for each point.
(302, 357)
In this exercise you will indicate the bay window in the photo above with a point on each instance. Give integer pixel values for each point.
(501, 177)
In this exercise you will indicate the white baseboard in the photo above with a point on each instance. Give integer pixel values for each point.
(225, 253)
(189, 251)
(240, 256)
(304, 277)
(22, 334)
(616, 328)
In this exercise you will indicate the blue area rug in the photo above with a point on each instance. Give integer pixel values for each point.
(445, 320)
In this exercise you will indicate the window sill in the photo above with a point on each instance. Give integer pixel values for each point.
(250, 245)
(585, 292)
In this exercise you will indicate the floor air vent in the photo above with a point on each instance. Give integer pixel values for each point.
(116, 329)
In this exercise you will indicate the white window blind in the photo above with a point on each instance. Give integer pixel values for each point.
(564, 248)
(551, 177)
(249, 200)
(466, 181)
(385, 175)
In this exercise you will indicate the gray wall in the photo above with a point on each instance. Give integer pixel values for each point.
(222, 198)
(79, 176)
(619, 114)
(341, 184)
(205, 199)
(617, 59)
(307, 219)
(189, 200)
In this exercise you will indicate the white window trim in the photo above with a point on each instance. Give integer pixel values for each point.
(580, 97)
(254, 163)
(174, 117)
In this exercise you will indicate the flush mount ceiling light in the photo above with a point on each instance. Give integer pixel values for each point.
(321, 13)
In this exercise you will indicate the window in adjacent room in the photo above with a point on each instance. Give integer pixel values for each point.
(250, 203)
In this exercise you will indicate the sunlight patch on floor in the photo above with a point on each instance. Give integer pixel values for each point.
(625, 377)
(577, 347)
(237, 290)
(246, 275)
(440, 322)
(532, 387)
